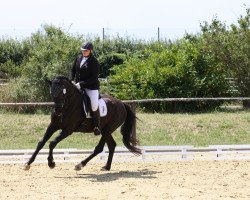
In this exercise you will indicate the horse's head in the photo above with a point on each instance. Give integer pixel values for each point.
(60, 89)
(58, 92)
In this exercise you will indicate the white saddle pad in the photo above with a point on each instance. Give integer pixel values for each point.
(102, 108)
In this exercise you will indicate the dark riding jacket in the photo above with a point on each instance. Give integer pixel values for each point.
(86, 75)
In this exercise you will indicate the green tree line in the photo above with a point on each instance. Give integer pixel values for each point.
(196, 65)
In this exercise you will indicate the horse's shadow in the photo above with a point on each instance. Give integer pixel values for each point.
(112, 176)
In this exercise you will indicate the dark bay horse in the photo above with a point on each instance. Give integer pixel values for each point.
(68, 117)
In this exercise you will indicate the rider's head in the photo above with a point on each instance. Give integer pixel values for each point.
(86, 48)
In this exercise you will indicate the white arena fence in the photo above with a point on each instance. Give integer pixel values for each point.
(41, 104)
(149, 154)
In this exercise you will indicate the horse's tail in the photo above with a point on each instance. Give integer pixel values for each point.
(128, 126)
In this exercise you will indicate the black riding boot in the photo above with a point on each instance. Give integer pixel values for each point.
(96, 118)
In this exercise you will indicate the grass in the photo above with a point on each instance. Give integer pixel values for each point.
(23, 131)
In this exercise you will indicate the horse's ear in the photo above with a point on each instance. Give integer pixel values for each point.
(48, 81)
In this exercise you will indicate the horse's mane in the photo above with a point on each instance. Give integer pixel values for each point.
(64, 78)
(61, 78)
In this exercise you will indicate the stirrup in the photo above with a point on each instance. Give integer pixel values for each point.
(97, 131)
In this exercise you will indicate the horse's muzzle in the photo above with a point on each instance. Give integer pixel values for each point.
(58, 109)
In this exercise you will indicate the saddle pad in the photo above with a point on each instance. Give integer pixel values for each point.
(102, 108)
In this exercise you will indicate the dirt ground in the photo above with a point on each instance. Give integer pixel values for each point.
(136, 180)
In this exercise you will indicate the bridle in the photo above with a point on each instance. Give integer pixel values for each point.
(58, 92)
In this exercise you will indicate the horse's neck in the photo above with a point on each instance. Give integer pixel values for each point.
(73, 91)
(72, 104)
(73, 96)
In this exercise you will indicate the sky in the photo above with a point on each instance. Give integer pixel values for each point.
(136, 18)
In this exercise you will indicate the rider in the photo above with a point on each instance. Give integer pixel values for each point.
(84, 73)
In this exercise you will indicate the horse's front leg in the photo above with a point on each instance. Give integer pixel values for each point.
(52, 145)
(49, 132)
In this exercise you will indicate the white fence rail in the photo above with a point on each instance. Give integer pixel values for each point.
(138, 101)
(3, 82)
(149, 153)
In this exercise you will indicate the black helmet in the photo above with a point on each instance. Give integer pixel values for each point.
(87, 46)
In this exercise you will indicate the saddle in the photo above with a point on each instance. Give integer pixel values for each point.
(87, 106)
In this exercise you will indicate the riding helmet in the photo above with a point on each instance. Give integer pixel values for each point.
(87, 46)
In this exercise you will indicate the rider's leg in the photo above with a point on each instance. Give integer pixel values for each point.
(94, 100)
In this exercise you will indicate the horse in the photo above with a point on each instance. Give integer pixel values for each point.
(68, 116)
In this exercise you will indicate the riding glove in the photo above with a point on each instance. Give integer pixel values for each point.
(78, 86)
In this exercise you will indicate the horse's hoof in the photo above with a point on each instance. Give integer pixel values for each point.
(52, 165)
(26, 167)
(105, 168)
(78, 167)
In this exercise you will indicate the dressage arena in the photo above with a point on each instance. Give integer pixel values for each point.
(182, 175)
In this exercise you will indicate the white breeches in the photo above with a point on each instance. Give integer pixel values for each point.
(94, 98)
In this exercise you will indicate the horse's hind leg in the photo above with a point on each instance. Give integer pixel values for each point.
(98, 149)
(111, 145)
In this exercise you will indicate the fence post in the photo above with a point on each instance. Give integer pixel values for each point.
(246, 103)
(158, 34)
(103, 34)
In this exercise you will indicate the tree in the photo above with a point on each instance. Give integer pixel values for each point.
(52, 54)
(230, 46)
(182, 70)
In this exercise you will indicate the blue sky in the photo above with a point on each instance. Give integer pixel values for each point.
(138, 18)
